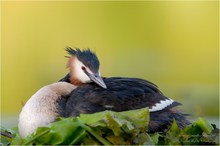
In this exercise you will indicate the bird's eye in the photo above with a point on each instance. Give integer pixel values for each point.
(83, 68)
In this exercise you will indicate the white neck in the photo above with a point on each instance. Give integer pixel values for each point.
(41, 108)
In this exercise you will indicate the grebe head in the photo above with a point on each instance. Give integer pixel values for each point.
(84, 67)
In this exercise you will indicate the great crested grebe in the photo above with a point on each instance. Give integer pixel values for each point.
(83, 90)
(115, 93)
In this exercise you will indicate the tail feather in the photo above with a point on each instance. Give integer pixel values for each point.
(162, 120)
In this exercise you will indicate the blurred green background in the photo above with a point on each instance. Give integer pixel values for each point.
(173, 44)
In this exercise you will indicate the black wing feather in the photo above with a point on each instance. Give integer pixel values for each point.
(122, 94)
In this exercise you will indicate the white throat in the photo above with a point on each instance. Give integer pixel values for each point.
(77, 71)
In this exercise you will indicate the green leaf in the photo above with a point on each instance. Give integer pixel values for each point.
(90, 140)
(140, 118)
(66, 131)
(95, 134)
(155, 137)
(125, 126)
(10, 136)
(144, 139)
(172, 136)
(5, 140)
(117, 140)
(129, 120)
(205, 125)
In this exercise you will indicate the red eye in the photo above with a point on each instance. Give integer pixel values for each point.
(83, 68)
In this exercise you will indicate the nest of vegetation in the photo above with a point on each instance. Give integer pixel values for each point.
(114, 128)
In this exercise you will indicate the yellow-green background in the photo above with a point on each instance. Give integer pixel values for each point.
(171, 43)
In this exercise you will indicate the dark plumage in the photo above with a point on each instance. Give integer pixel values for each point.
(123, 94)
(116, 94)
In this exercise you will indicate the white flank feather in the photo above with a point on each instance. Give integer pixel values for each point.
(161, 105)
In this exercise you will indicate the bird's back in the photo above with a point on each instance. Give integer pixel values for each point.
(124, 94)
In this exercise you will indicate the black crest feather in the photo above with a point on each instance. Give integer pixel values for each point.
(86, 56)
